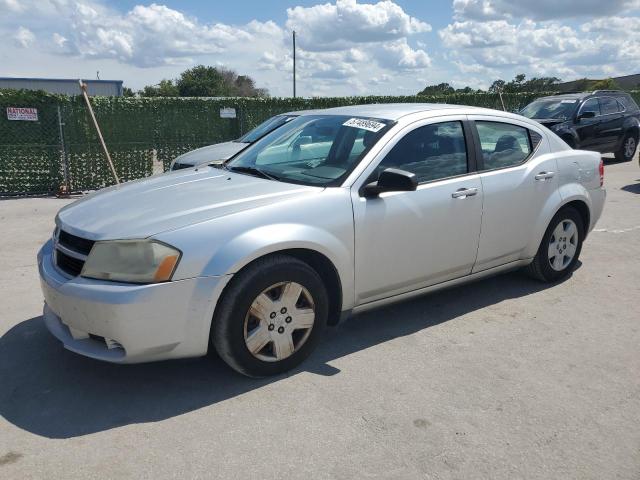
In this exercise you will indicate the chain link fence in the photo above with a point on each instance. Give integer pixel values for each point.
(145, 134)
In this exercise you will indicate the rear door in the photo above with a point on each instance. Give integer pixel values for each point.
(609, 130)
(519, 177)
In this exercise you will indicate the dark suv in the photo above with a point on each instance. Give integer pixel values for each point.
(607, 121)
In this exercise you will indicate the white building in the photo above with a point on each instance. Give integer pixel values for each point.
(105, 88)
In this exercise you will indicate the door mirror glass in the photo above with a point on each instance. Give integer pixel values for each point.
(391, 180)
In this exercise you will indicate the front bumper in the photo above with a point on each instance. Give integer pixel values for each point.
(126, 323)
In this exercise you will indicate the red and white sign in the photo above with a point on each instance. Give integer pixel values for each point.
(22, 113)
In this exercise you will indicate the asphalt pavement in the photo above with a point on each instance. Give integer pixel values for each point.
(506, 378)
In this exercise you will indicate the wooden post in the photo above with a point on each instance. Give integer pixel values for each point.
(501, 101)
(83, 87)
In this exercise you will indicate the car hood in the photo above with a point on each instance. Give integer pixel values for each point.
(172, 200)
(211, 153)
(549, 122)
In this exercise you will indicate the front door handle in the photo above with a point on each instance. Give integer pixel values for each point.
(464, 192)
(542, 176)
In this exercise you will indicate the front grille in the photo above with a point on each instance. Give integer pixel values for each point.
(77, 244)
(69, 265)
(71, 252)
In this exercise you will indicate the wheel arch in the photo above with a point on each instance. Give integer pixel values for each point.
(576, 201)
(320, 249)
(323, 266)
(583, 209)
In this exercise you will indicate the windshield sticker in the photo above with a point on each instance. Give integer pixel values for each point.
(568, 101)
(369, 125)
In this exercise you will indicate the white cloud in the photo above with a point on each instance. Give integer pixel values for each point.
(347, 23)
(11, 5)
(24, 37)
(399, 55)
(547, 48)
(540, 9)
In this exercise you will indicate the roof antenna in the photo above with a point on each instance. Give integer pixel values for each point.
(98, 75)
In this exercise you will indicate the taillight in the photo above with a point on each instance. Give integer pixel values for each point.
(601, 168)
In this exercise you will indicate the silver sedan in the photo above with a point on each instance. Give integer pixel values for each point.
(337, 211)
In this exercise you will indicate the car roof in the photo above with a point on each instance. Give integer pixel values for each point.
(566, 96)
(581, 95)
(394, 111)
(296, 113)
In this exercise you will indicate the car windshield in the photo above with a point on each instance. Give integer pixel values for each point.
(264, 128)
(312, 149)
(556, 109)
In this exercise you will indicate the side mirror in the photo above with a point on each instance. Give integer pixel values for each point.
(586, 115)
(391, 180)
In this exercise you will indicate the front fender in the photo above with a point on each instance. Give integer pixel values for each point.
(258, 242)
(568, 131)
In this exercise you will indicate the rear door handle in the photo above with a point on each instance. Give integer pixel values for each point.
(542, 176)
(464, 192)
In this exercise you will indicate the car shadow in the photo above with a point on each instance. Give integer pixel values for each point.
(632, 188)
(54, 393)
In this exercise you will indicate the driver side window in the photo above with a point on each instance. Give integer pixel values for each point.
(431, 152)
(591, 105)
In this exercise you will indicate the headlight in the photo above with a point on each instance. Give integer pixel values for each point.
(133, 261)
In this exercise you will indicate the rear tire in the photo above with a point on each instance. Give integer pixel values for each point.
(628, 148)
(257, 329)
(560, 247)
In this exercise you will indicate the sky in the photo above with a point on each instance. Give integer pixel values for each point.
(345, 47)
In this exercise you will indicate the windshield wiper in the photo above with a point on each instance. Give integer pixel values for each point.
(252, 171)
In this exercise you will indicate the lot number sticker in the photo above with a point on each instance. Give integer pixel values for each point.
(22, 113)
(370, 125)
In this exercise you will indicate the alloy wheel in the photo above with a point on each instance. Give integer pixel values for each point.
(629, 147)
(563, 245)
(279, 321)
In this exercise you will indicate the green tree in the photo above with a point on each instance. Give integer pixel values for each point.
(127, 92)
(497, 86)
(166, 88)
(201, 81)
(605, 84)
(440, 89)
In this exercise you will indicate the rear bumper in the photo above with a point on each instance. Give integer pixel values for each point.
(127, 323)
(598, 197)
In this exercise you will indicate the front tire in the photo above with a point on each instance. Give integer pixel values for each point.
(560, 247)
(271, 316)
(628, 148)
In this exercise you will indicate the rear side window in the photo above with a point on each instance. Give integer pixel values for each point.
(503, 144)
(431, 152)
(608, 105)
(628, 103)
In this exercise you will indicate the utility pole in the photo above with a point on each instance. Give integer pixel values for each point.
(294, 64)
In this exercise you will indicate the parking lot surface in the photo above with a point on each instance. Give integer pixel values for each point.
(506, 378)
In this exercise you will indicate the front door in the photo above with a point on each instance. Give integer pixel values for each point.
(586, 128)
(408, 240)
